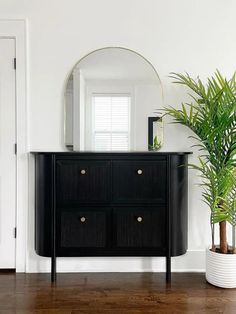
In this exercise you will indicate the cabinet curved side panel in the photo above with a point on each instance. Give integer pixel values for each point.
(43, 204)
(178, 202)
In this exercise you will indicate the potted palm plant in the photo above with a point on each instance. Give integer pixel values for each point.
(211, 115)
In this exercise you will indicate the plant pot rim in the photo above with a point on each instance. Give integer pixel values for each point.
(229, 255)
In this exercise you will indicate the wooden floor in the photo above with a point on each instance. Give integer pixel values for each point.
(113, 293)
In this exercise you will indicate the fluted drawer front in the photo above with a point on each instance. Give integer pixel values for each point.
(140, 181)
(82, 228)
(139, 227)
(81, 181)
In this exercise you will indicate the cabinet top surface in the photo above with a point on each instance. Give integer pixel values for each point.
(73, 153)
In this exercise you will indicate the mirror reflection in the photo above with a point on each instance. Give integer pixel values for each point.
(109, 96)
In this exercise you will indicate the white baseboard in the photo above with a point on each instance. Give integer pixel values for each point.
(192, 261)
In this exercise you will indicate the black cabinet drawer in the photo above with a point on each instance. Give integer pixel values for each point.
(82, 181)
(139, 181)
(82, 228)
(140, 227)
(111, 196)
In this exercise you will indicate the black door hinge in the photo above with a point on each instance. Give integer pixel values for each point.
(15, 231)
(14, 63)
(15, 149)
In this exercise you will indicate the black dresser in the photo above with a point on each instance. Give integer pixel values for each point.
(111, 204)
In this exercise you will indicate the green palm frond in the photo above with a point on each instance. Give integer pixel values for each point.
(212, 117)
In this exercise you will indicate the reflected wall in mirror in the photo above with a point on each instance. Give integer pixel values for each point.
(155, 133)
(109, 96)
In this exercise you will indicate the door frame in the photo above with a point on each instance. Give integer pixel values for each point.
(16, 28)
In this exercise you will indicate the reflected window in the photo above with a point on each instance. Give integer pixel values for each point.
(111, 122)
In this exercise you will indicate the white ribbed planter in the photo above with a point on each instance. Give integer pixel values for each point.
(221, 269)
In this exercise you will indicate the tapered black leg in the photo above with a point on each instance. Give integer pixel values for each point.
(53, 269)
(168, 269)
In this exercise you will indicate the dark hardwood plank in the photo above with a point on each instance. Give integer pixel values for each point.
(113, 293)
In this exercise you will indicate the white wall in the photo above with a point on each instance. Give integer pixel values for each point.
(197, 36)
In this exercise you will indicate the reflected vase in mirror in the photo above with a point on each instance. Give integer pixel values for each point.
(109, 95)
(155, 133)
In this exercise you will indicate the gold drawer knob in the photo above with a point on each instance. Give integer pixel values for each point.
(82, 219)
(139, 219)
(83, 171)
(140, 171)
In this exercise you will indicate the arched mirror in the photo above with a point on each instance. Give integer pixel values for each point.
(110, 96)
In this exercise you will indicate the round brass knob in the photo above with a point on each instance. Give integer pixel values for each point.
(139, 219)
(82, 219)
(83, 171)
(140, 171)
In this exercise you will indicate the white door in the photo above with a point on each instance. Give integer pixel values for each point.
(7, 153)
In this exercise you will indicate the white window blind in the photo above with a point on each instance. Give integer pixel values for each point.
(111, 122)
